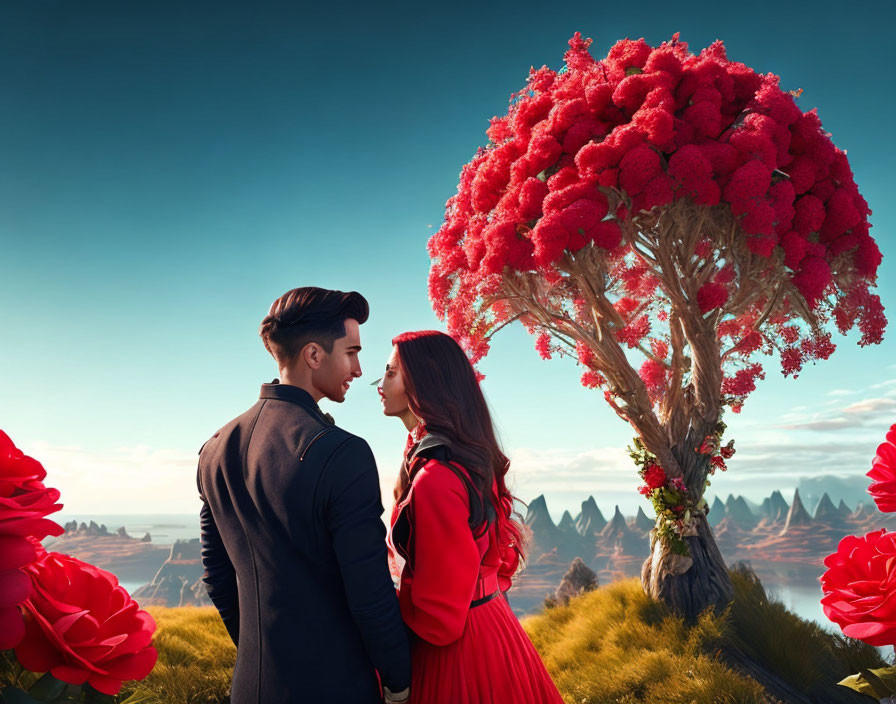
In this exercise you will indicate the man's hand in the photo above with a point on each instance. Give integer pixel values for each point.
(396, 697)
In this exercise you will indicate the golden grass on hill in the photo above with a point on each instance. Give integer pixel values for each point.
(616, 645)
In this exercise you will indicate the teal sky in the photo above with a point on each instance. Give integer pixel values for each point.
(169, 168)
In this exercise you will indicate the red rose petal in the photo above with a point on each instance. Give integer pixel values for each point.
(12, 627)
(70, 674)
(15, 551)
(35, 652)
(104, 684)
(15, 587)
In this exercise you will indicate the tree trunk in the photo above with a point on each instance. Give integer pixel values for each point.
(688, 584)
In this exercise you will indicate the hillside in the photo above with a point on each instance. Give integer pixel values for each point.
(612, 645)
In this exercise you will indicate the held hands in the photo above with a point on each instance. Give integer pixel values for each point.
(396, 697)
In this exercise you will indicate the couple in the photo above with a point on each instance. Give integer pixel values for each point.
(295, 552)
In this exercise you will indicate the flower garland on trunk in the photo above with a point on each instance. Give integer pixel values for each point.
(677, 509)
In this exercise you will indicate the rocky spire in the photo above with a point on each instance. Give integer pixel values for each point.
(566, 522)
(578, 579)
(716, 512)
(844, 510)
(642, 523)
(538, 518)
(738, 511)
(617, 524)
(545, 535)
(797, 515)
(778, 508)
(825, 510)
(591, 521)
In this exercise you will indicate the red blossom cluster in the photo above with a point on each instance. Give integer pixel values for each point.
(718, 453)
(583, 153)
(61, 615)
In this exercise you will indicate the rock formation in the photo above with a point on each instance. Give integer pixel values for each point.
(567, 523)
(590, 521)
(579, 578)
(825, 510)
(797, 515)
(774, 509)
(178, 581)
(737, 510)
(716, 512)
(642, 523)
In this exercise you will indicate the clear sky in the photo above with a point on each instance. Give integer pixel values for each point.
(167, 169)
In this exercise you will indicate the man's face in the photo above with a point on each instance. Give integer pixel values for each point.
(339, 368)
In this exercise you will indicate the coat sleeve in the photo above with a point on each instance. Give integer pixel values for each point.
(353, 514)
(445, 558)
(218, 573)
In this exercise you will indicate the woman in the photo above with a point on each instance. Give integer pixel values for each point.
(453, 544)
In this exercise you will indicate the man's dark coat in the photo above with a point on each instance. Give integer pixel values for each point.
(294, 552)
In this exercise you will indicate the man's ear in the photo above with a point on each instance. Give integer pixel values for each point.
(313, 355)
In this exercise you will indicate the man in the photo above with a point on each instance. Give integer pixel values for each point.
(293, 544)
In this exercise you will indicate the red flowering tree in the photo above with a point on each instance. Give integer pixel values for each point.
(676, 209)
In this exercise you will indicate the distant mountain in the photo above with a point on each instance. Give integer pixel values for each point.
(642, 522)
(826, 511)
(797, 515)
(738, 511)
(774, 508)
(844, 510)
(716, 512)
(851, 489)
(617, 535)
(590, 521)
(785, 544)
(545, 534)
(567, 523)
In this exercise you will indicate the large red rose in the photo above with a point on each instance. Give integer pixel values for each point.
(16, 467)
(860, 587)
(24, 505)
(24, 500)
(81, 626)
(883, 473)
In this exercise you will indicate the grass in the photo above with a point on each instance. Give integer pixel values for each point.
(196, 658)
(610, 646)
(617, 646)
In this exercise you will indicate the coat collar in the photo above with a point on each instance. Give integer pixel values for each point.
(427, 442)
(293, 394)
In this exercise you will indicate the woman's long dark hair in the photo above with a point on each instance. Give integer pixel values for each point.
(444, 393)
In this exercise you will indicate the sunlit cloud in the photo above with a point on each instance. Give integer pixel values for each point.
(122, 480)
(856, 415)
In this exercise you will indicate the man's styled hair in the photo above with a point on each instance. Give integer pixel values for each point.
(309, 314)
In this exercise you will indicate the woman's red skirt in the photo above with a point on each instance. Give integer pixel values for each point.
(493, 662)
